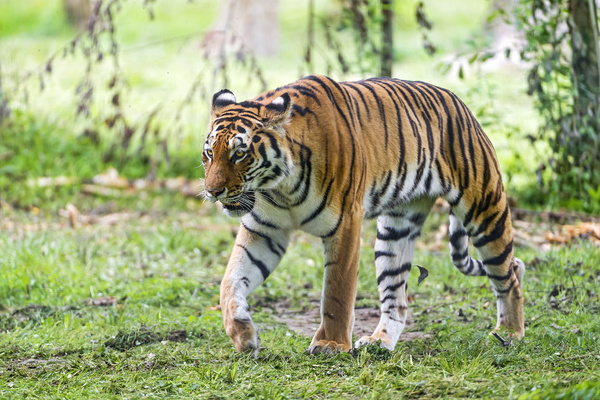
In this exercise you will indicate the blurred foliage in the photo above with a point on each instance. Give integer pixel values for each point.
(35, 148)
(131, 115)
(571, 174)
(574, 174)
(354, 33)
(139, 139)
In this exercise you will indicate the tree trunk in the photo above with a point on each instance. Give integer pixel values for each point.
(78, 12)
(4, 110)
(387, 45)
(254, 23)
(583, 142)
(583, 24)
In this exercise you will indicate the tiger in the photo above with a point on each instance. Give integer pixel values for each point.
(321, 156)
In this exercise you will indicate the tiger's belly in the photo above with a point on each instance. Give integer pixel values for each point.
(390, 190)
(319, 215)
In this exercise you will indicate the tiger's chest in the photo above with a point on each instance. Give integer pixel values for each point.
(313, 215)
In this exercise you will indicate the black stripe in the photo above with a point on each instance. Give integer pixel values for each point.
(501, 277)
(485, 223)
(335, 228)
(271, 201)
(456, 257)
(480, 269)
(393, 234)
(275, 247)
(388, 297)
(418, 218)
(471, 266)
(428, 182)
(351, 179)
(396, 214)
(469, 216)
(380, 107)
(296, 109)
(449, 126)
(362, 97)
(392, 288)
(321, 207)
(400, 184)
(512, 283)
(259, 264)
(456, 236)
(414, 235)
(465, 168)
(454, 202)
(384, 254)
(495, 234)
(501, 258)
(306, 92)
(274, 143)
(393, 272)
(418, 176)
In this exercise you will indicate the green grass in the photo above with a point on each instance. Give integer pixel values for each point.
(164, 269)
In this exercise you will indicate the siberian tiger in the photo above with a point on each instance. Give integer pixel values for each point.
(320, 156)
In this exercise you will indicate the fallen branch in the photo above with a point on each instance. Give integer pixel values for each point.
(581, 356)
(553, 216)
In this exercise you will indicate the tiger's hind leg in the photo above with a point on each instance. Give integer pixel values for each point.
(491, 234)
(394, 248)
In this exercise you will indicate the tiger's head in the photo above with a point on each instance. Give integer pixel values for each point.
(244, 151)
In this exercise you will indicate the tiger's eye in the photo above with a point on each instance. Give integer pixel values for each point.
(209, 152)
(239, 153)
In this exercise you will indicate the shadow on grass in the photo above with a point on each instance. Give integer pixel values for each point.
(125, 340)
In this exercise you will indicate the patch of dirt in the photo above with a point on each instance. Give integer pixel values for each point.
(126, 340)
(31, 314)
(306, 321)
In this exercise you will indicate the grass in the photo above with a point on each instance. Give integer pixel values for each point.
(161, 336)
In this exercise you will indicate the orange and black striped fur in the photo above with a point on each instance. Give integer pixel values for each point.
(319, 156)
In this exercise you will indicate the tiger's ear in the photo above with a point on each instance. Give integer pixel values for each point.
(278, 112)
(221, 99)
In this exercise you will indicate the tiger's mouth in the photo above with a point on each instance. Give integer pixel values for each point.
(240, 204)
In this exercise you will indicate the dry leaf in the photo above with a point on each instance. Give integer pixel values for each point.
(104, 301)
(73, 215)
(110, 178)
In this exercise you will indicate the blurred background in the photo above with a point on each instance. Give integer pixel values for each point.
(119, 92)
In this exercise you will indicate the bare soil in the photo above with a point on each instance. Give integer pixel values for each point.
(306, 321)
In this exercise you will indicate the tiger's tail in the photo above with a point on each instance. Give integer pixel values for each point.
(459, 250)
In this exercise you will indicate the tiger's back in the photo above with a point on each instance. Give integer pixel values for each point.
(381, 148)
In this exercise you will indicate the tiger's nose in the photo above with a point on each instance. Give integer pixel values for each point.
(217, 192)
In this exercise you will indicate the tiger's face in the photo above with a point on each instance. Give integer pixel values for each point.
(243, 152)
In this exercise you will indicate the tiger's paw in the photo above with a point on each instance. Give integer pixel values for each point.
(327, 347)
(244, 335)
(374, 341)
(505, 328)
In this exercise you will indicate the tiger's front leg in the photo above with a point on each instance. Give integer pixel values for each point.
(339, 288)
(257, 252)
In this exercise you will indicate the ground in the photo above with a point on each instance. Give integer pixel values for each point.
(124, 304)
